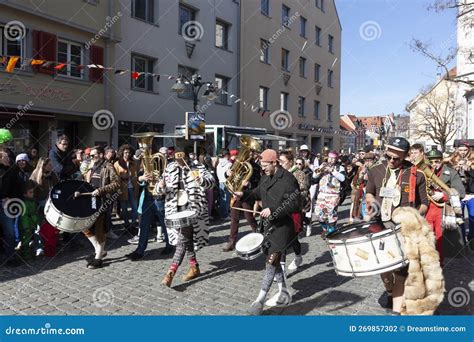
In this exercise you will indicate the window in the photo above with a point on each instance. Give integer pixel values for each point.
(71, 54)
(143, 64)
(303, 27)
(222, 35)
(331, 43)
(12, 47)
(143, 9)
(318, 36)
(301, 101)
(320, 4)
(285, 56)
(264, 51)
(265, 7)
(188, 72)
(186, 14)
(330, 76)
(317, 72)
(329, 109)
(263, 98)
(285, 15)
(284, 101)
(317, 108)
(222, 83)
(302, 67)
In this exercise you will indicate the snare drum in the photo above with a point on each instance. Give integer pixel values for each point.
(67, 213)
(250, 246)
(180, 219)
(367, 248)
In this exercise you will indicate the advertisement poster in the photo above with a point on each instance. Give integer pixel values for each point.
(195, 126)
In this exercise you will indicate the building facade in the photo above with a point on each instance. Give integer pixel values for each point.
(40, 102)
(291, 70)
(168, 37)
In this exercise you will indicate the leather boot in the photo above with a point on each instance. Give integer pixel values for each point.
(168, 278)
(193, 272)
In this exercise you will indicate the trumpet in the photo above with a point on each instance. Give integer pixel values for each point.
(322, 168)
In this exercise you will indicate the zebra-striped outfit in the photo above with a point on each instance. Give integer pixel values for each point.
(197, 200)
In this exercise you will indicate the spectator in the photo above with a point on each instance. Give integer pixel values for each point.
(33, 155)
(61, 158)
(223, 166)
(28, 220)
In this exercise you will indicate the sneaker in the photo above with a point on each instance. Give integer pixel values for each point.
(91, 257)
(134, 240)
(308, 230)
(255, 309)
(112, 235)
(152, 239)
(282, 298)
(295, 263)
(94, 264)
(160, 238)
(39, 251)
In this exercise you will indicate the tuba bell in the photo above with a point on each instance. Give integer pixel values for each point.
(241, 169)
(153, 163)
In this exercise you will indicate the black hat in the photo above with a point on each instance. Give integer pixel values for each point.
(463, 142)
(434, 154)
(399, 144)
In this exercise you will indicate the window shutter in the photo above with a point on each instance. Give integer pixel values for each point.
(45, 47)
(96, 57)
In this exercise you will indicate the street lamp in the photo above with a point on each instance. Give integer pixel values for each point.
(181, 86)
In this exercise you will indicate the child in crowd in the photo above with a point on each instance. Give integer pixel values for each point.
(28, 220)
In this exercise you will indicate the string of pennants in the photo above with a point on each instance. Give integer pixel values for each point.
(10, 63)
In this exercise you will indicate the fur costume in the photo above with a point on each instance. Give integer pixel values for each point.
(424, 286)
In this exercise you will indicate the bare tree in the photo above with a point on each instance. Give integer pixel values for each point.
(465, 16)
(434, 113)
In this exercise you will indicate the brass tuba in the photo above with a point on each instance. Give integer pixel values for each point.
(241, 169)
(433, 180)
(155, 163)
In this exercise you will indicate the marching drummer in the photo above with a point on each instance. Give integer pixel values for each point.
(182, 181)
(391, 184)
(104, 179)
(278, 190)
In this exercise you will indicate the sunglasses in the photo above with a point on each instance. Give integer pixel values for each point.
(392, 158)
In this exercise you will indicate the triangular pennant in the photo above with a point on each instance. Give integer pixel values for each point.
(135, 75)
(11, 64)
(37, 62)
(59, 66)
(120, 72)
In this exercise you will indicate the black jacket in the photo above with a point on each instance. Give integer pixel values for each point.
(62, 162)
(281, 194)
(9, 185)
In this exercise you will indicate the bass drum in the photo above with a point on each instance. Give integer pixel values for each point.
(367, 248)
(70, 214)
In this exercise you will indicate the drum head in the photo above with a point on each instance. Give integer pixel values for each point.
(62, 197)
(249, 242)
(355, 230)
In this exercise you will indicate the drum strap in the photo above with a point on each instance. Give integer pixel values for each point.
(412, 185)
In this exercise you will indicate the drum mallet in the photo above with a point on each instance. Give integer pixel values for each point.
(79, 194)
(250, 211)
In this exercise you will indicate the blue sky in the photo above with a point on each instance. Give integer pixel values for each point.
(381, 74)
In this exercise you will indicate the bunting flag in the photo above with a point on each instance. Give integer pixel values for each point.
(37, 62)
(11, 64)
(135, 75)
(60, 66)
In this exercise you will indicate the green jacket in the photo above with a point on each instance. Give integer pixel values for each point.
(29, 218)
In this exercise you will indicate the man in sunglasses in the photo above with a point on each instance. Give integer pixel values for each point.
(391, 184)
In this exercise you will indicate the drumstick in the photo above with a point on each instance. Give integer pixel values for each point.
(195, 178)
(250, 211)
(79, 194)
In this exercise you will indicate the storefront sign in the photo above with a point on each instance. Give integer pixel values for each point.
(306, 127)
(48, 93)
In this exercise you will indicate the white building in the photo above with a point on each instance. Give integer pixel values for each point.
(465, 69)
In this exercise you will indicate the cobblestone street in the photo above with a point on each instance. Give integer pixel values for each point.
(64, 286)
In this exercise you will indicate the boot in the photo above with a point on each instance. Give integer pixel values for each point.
(193, 272)
(168, 278)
